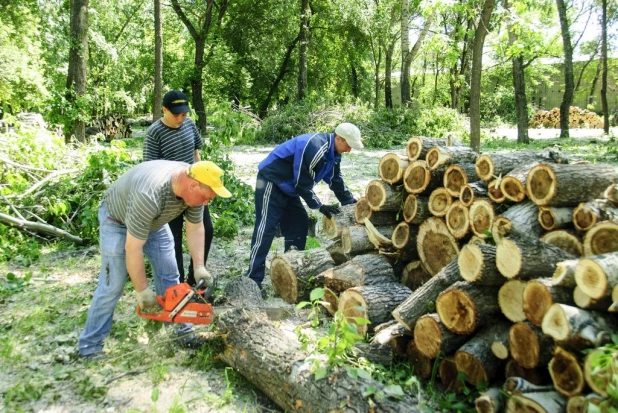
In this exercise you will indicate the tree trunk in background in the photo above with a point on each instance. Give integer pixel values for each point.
(197, 84)
(604, 61)
(593, 84)
(158, 63)
(408, 57)
(305, 15)
(567, 98)
(78, 62)
(458, 73)
(405, 47)
(519, 85)
(388, 69)
(475, 79)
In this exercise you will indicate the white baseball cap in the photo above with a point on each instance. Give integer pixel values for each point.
(351, 134)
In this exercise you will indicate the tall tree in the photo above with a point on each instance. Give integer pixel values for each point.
(604, 62)
(158, 62)
(305, 16)
(482, 29)
(408, 56)
(78, 62)
(569, 81)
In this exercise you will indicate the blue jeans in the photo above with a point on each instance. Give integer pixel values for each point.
(159, 249)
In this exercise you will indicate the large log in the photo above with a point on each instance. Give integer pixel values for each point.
(404, 235)
(513, 184)
(494, 192)
(521, 218)
(355, 240)
(431, 337)
(435, 244)
(564, 240)
(374, 353)
(293, 273)
(372, 302)
(578, 328)
(587, 214)
(439, 202)
(529, 346)
(274, 362)
(440, 156)
(410, 310)
(421, 365)
(391, 167)
(458, 220)
(369, 269)
(470, 192)
(456, 177)
(416, 209)
(418, 146)
(335, 249)
(482, 216)
(597, 276)
(568, 185)
(539, 295)
(489, 166)
(566, 373)
(383, 196)
(417, 178)
(511, 300)
(601, 239)
(463, 307)
(477, 264)
(332, 226)
(552, 218)
(377, 218)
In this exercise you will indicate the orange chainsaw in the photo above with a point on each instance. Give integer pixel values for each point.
(183, 304)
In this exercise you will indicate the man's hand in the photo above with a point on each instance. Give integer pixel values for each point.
(329, 211)
(147, 299)
(200, 273)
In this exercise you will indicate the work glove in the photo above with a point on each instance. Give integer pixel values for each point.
(147, 298)
(329, 210)
(200, 273)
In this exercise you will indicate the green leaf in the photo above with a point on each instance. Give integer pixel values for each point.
(316, 294)
(320, 373)
(394, 390)
(154, 396)
(369, 391)
(364, 374)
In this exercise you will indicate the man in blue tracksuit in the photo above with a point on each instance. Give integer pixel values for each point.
(288, 174)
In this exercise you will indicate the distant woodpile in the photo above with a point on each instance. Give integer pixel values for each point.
(578, 118)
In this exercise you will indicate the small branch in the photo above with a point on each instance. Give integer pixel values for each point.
(40, 227)
(21, 166)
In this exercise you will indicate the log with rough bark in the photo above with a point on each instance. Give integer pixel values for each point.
(472, 191)
(598, 375)
(274, 361)
(377, 218)
(374, 353)
(464, 307)
(394, 335)
(416, 209)
(511, 300)
(552, 218)
(414, 275)
(597, 276)
(564, 240)
(527, 397)
(564, 275)
(372, 302)
(421, 365)
(521, 218)
(417, 178)
(539, 295)
(456, 177)
(513, 184)
(335, 249)
(439, 202)
(435, 244)
(566, 373)
(383, 196)
(458, 220)
(379, 237)
(587, 214)
(482, 216)
(404, 234)
(525, 257)
(243, 292)
(417, 304)
(369, 269)
(475, 358)
(440, 156)
(582, 300)
(477, 264)
(529, 346)
(355, 240)
(568, 185)
(534, 376)
(431, 337)
(578, 328)
(492, 165)
(500, 347)
(490, 401)
(332, 226)
(293, 273)
(611, 193)
(601, 239)
(391, 168)
(418, 146)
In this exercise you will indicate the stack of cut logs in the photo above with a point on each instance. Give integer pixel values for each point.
(578, 118)
(502, 265)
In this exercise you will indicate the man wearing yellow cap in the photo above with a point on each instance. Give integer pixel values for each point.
(132, 223)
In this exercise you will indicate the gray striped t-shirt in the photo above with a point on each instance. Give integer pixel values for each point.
(163, 142)
(142, 198)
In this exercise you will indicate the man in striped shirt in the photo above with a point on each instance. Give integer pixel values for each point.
(288, 174)
(175, 137)
(132, 223)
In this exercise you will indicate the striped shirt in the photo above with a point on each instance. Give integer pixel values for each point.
(142, 198)
(163, 142)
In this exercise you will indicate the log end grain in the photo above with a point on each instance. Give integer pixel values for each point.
(510, 300)
(541, 184)
(470, 261)
(353, 305)
(547, 218)
(414, 148)
(583, 217)
(428, 336)
(435, 244)
(484, 167)
(439, 202)
(508, 258)
(601, 239)
(375, 194)
(565, 241)
(512, 189)
(566, 373)
(330, 227)
(555, 323)
(590, 278)
(536, 301)
(481, 217)
(494, 192)
(500, 350)
(362, 210)
(284, 280)
(390, 168)
(457, 311)
(457, 220)
(401, 235)
(455, 178)
(416, 177)
(475, 373)
(524, 345)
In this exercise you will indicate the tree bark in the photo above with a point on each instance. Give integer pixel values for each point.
(490, 401)
(552, 218)
(521, 218)
(78, 62)
(604, 104)
(569, 81)
(362, 270)
(470, 192)
(158, 63)
(519, 81)
(440, 157)
(355, 240)
(475, 357)
(305, 16)
(491, 166)
(513, 185)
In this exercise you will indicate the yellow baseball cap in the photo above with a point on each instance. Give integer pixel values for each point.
(208, 173)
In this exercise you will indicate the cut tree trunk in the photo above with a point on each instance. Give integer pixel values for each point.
(414, 275)
(565, 241)
(575, 404)
(355, 241)
(587, 214)
(464, 307)
(511, 300)
(457, 220)
(435, 244)
(490, 401)
(243, 292)
(373, 302)
(489, 166)
(481, 217)
(566, 373)
(552, 218)
(369, 269)
(476, 359)
(410, 310)
(529, 346)
(418, 146)
(578, 328)
(525, 258)
(440, 156)
(418, 179)
(568, 185)
(521, 218)
(431, 337)
(564, 275)
(274, 361)
(598, 375)
(416, 209)
(470, 192)
(477, 264)
(523, 396)
(332, 226)
(377, 218)
(458, 176)
(597, 276)
(404, 235)
(534, 376)
(539, 295)
(293, 273)
(601, 239)
(391, 168)
(582, 300)
(513, 184)
(439, 202)
(383, 196)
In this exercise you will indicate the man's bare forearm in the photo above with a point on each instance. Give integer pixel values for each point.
(134, 249)
(195, 242)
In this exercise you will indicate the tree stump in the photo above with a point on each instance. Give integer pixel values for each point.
(416, 209)
(539, 295)
(511, 300)
(383, 196)
(456, 177)
(391, 168)
(565, 241)
(332, 226)
(596, 276)
(370, 269)
(601, 239)
(435, 244)
(418, 146)
(464, 307)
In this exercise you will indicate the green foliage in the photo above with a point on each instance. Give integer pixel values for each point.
(13, 284)
(231, 125)
(604, 363)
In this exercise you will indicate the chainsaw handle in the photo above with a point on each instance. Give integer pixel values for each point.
(209, 290)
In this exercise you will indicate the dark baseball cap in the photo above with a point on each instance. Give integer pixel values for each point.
(176, 102)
